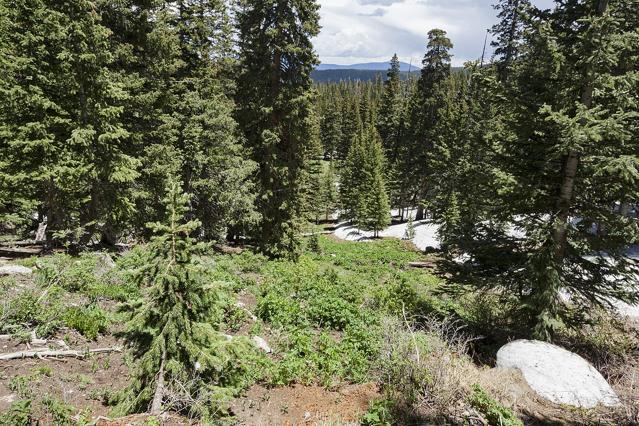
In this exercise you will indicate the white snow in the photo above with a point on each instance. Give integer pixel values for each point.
(557, 374)
(425, 233)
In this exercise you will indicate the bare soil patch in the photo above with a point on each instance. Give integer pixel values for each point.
(300, 405)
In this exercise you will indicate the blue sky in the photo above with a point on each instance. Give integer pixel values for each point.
(372, 30)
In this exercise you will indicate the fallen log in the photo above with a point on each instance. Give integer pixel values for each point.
(15, 252)
(310, 234)
(42, 353)
(422, 265)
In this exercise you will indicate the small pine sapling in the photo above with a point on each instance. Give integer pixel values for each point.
(410, 229)
(179, 356)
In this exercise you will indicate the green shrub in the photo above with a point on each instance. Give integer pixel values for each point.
(60, 411)
(314, 244)
(495, 413)
(24, 308)
(88, 321)
(92, 274)
(22, 385)
(28, 310)
(19, 414)
(68, 272)
(380, 413)
(332, 312)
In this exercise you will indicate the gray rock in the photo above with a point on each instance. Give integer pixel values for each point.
(262, 344)
(103, 264)
(557, 374)
(15, 270)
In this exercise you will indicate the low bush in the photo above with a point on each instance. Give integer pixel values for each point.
(59, 411)
(29, 310)
(380, 413)
(92, 274)
(88, 321)
(426, 370)
(18, 414)
(495, 413)
(71, 273)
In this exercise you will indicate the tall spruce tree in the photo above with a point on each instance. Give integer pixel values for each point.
(566, 155)
(331, 129)
(508, 33)
(423, 116)
(375, 213)
(184, 111)
(63, 143)
(276, 111)
(363, 190)
(389, 117)
(328, 191)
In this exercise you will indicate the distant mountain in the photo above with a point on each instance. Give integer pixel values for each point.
(332, 76)
(370, 66)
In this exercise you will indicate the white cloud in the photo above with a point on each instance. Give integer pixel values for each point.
(372, 30)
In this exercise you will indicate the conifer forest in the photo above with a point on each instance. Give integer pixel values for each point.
(196, 229)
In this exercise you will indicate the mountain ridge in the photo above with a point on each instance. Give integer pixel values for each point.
(367, 66)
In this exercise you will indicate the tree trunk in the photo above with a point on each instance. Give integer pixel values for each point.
(156, 407)
(569, 172)
(420, 212)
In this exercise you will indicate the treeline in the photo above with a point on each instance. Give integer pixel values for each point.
(104, 103)
(529, 162)
(328, 76)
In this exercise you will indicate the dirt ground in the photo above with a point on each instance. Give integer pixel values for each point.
(81, 383)
(300, 405)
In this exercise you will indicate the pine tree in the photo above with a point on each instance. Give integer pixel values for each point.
(423, 116)
(171, 329)
(328, 191)
(508, 33)
(351, 127)
(193, 133)
(389, 118)
(63, 143)
(277, 111)
(351, 177)
(567, 153)
(375, 215)
(331, 129)
(362, 185)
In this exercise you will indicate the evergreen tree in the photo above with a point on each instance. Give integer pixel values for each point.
(328, 191)
(351, 127)
(171, 329)
(187, 127)
(351, 178)
(566, 154)
(389, 118)
(331, 129)
(423, 116)
(277, 111)
(375, 214)
(362, 185)
(63, 143)
(508, 33)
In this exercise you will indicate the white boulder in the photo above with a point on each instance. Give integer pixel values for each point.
(262, 344)
(14, 270)
(557, 374)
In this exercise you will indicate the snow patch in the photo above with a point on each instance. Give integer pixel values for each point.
(426, 233)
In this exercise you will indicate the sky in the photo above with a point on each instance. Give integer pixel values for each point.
(355, 31)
